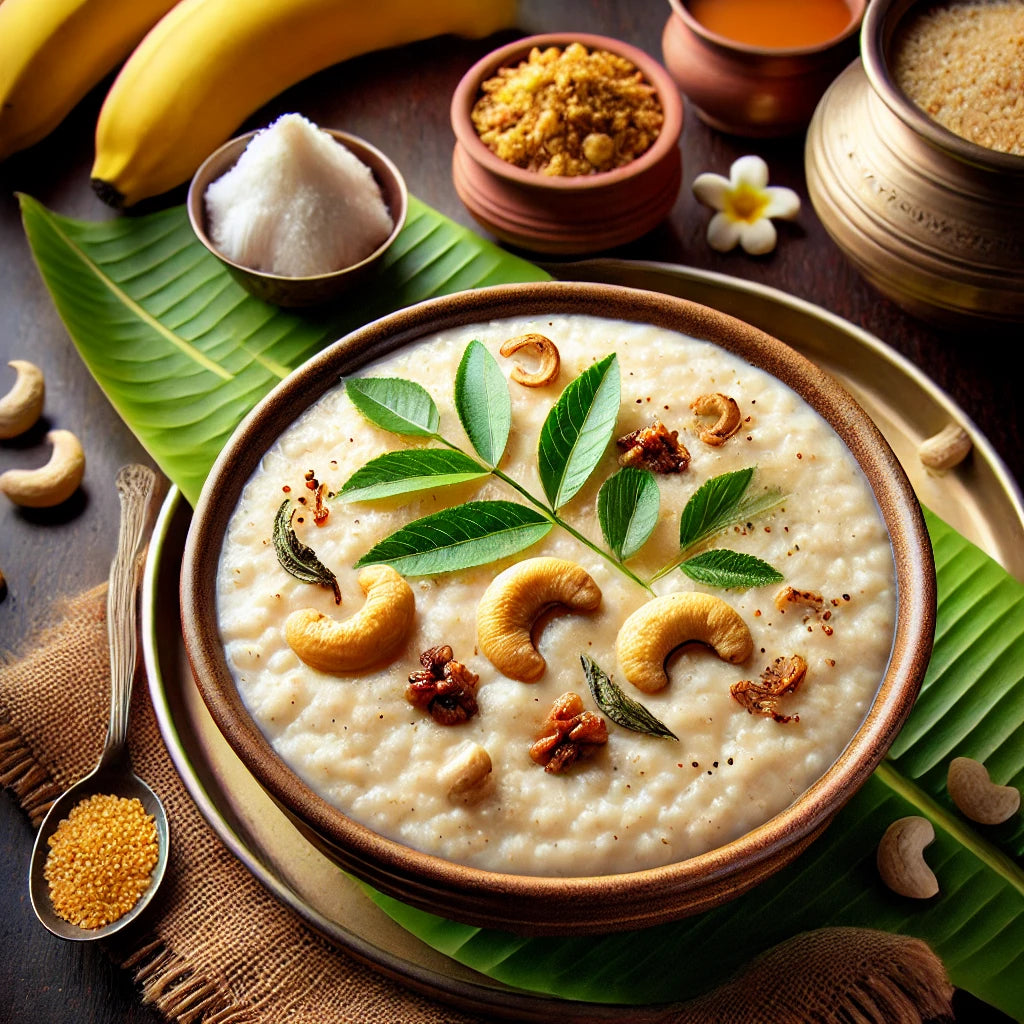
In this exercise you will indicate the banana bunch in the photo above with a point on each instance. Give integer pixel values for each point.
(209, 64)
(52, 52)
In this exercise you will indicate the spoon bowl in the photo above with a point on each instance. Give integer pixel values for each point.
(113, 775)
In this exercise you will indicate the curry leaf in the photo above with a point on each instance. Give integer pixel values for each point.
(713, 506)
(627, 509)
(722, 568)
(182, 352)
(483, 403)
(297, 558)
(620, 707)
(394, 404)
(475, 533)
(412, 469)
(577, 430)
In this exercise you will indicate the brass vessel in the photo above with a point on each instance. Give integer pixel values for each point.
(934, 222)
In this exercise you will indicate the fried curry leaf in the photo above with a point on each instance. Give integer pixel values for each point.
(297, 558)
(619, 707)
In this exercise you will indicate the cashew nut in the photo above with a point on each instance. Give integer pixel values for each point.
(946, 449)
(23, 404)
(657, 628)
(728, 417)
(376, 631)
(515, 599)
(900, 858)
(52, 483)
(977, 796)
(468, 776)
(544, 348)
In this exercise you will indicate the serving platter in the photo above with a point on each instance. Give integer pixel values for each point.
(979, 499)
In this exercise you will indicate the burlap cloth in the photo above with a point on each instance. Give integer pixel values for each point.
(218, 948)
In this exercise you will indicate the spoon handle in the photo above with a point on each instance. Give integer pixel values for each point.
(135, 484)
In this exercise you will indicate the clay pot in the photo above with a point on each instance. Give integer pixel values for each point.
(750, 90)
(566, 215)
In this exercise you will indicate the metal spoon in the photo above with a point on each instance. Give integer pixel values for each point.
(113, 775)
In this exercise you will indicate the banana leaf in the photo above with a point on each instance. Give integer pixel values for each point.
(182, 352)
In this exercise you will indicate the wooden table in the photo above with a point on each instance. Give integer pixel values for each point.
(397, 100)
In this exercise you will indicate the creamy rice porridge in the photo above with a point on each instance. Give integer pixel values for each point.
(641, 800)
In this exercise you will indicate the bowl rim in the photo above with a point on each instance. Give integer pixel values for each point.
(881, 25)
(725, 43)
(468, 87)
(359, 148)
(746, 859)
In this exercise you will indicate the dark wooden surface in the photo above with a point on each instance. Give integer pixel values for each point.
(397, 100)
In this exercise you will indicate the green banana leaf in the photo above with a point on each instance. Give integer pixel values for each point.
(182, 352)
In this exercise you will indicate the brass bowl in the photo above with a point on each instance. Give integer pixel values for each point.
(541, 904)
(933, 221)
(315, 289)
(573, 215)
(753, 91)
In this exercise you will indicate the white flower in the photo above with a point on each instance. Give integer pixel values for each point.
(745, 203)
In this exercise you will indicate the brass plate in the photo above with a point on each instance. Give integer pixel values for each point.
(979, 499)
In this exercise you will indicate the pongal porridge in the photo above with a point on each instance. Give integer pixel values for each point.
(475, 733)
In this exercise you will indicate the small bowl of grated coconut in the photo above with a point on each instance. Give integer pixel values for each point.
(297, 213)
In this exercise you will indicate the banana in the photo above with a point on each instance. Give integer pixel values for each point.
(52, 52)
(209, 64)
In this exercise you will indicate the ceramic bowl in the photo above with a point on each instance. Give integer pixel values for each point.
(933, 221)
(536, 904)
(315, 289)
(566, 215)
(750, 90)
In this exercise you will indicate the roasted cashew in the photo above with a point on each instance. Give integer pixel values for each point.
(23, 404)
(376, 631)
(946, 449)
(657, 628)
(727, 411)
(52, 483)
(977, 796)
(542, 347)
(468, 776)
(900, 858)
(514, 600)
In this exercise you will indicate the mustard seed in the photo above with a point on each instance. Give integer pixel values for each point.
(101, 860)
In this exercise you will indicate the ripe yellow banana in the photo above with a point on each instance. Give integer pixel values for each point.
(52, 52)
(209, 64)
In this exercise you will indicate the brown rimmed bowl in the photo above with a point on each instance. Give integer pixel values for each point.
(580, 214)
(316, 289)
(558, 905)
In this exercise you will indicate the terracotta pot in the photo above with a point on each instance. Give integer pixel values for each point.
(566, 215)
(933, 221)
(534, 904)
(750, 90)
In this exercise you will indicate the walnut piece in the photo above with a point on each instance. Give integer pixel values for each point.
(655, 448)
(569, 734)
(782, 676)
(445, 688)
